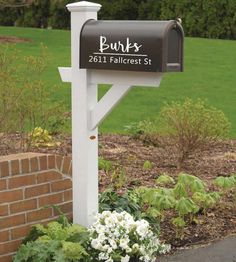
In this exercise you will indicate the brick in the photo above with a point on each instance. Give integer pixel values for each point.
(66, 165)
(58, 162)
(51, 161)
(21, 181)
(34, 164)
(9, 247)
(3, 210)
(23, 206)
(65, 208)
(10, 196)
(7, 258)
(4, 236)
(20, 232)
(12, 221)
(51, 199)
(70, 170)
(15, 167)
(4, 168)
(43, 162)
(39, 215)
(68, 195)
(48, 176)
(3, 184)
(37, 190)
(25, 166)
(61, 185)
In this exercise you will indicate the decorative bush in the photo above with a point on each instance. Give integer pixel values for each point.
(191, 126)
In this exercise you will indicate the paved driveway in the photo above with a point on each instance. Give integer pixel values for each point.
(220, 251)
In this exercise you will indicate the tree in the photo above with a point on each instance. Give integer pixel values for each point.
(15, 3)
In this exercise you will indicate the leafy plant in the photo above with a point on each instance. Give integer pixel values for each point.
(40, 137)
(110, 200)
(226, 182)
(191, 126)
(186, 198)
(147, 165)
(179, 224)
(164, 180)
(118, 178)
(55, 243)
(105, 165)
(206, 200)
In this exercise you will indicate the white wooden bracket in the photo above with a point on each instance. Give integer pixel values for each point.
(121, 83)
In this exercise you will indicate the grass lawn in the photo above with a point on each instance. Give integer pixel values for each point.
(210, 73)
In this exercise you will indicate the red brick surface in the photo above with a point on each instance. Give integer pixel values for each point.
(28, 182)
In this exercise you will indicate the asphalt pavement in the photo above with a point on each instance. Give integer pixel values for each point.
(220, 251)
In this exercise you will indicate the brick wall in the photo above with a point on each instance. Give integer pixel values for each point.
(28, 182)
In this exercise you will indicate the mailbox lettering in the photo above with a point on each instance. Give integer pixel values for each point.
(118, 46)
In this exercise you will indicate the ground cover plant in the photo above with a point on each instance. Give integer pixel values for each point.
(208, 74)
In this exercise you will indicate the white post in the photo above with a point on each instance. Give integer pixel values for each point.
(84, 140)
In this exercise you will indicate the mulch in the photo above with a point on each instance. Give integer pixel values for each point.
(131, 154)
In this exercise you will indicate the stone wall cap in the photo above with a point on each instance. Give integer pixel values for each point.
(20, 156)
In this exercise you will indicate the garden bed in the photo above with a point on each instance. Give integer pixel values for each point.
(131, 154)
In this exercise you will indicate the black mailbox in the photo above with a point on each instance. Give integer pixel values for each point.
(154, 46)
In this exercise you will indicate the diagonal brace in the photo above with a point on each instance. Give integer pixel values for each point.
(107, 103)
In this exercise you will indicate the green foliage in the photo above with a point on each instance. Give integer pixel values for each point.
(40, 137)
(118, 178)
(185, 206)
(206, 200)
(128, 201)
(147, 165)
(179, 224)
(226, 182)
(55, 242)
(191, 126)
(164, 180)
(105, 165)
(186, 198)
(211, 19)
(187, 185)
(24, 100)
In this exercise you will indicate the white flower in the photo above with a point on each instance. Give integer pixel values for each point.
(103, 256)
(96, 244)
(116, 233)
(135, 247)
(124, 243)
(125, 259)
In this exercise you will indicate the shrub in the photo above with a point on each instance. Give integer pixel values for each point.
(192, 126)
(24, 98)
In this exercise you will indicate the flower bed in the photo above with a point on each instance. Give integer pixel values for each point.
(113, 237)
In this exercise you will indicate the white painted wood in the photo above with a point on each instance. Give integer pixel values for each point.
(84, 149)
(130, 78)
(65, 73)
(87, 113)
(107, 103)
(151, 79)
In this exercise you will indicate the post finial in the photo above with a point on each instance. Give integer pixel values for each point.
(83, 6)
